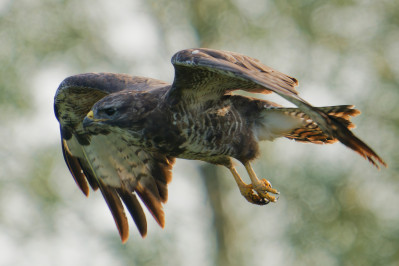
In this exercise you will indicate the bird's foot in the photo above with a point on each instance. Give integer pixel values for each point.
(259, 194)
(258, 191)
(263, 188)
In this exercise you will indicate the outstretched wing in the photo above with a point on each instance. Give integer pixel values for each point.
(89, 158)
(203, 75)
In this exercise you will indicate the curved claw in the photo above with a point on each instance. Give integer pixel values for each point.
(263, 187)
(257, 192)
(256, 199)
(261, 201)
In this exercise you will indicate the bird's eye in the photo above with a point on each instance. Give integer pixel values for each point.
(110, 111)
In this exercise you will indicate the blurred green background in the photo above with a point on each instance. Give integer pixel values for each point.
(334, 207)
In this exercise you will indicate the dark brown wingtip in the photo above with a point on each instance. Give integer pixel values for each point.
(115, 205)
(153, 204)
(135, 209)
(75, 169)
(124, 238)
(346, 137)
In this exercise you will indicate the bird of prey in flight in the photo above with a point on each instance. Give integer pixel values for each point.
(121, 134)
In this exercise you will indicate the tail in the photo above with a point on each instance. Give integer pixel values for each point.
(311, 132)
(296, 125)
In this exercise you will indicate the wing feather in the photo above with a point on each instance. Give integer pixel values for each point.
(73, 100)
(161, 170)
(75, 169)
(115, 205)
(90, 176)
(152, 203)
(135, 209)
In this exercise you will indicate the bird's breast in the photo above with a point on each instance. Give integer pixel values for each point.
(216, 131)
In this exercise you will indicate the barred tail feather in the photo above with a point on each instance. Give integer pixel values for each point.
(332, 125)
(311, 132)
(340, 125)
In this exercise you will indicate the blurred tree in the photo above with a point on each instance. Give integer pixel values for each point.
(36, 33)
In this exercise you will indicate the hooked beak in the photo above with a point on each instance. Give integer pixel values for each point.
(90, 115)
(89, 119)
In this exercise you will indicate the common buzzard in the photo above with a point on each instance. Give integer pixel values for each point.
(121, 134)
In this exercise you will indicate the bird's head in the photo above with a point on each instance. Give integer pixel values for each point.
(114, 112)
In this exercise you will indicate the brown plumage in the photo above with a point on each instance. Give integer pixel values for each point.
(122, 133)
(311, 132)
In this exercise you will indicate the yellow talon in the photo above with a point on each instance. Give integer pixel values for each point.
(257, 192)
